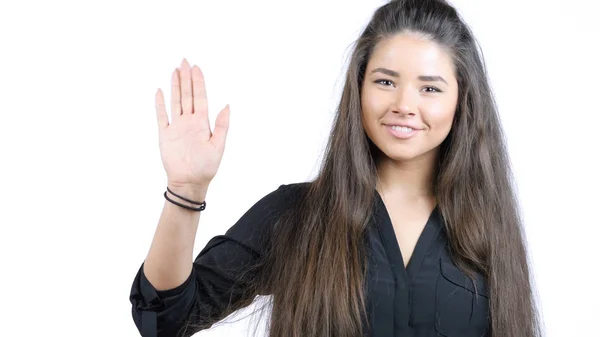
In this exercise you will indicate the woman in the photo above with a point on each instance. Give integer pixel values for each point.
(411, 227)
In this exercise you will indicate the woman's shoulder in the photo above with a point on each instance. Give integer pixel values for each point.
(290, 191)
(280, 198)
(293, 190)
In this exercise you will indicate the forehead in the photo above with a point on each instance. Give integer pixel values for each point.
(411, 52)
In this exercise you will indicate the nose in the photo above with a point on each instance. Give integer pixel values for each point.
(406, 101)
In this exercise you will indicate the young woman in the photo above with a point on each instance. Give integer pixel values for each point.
(411, 227)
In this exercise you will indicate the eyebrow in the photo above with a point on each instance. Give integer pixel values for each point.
(422, 77)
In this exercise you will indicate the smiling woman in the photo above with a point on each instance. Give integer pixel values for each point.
(411, 227)
(405, 95)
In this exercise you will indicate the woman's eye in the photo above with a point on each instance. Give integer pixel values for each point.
(434, 89)
(388, 83)
(383, 82)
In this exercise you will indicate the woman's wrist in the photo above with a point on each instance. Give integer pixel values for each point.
(196, 193)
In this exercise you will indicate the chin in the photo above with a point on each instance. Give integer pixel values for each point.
(404, 158)
(401, 156)
(406, 154)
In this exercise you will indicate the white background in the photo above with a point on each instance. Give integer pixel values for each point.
(82, 179)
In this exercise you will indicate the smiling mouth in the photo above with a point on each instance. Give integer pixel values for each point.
(402, 128)
(402, 132)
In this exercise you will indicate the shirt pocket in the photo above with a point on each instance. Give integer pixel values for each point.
(462, 308)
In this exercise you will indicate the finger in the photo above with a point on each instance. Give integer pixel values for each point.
(161, 111)
(199, 91)
(175, 96)
(221, 127)
(200, 100)
(186, 88)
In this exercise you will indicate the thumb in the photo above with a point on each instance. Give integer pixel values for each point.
(221, 127)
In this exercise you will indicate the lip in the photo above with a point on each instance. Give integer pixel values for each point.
(400, 134)
(406, 125)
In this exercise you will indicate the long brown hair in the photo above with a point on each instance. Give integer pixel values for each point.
(315, 264)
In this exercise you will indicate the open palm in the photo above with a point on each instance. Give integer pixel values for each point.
(190, 152)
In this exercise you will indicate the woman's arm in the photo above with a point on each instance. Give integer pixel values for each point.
(218, 278)
(169, 261)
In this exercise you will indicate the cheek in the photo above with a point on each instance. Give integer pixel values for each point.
(371, 102)
(443, 121)
(440, 117)
(371, 106)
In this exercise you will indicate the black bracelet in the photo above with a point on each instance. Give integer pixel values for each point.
(202, 204)
(188, 200)
(201, 208)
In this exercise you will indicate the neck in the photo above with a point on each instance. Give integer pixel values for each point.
(407, 179)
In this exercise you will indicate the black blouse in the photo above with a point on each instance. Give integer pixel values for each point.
(430, 297)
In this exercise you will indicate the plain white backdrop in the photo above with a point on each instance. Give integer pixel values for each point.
(82, 179)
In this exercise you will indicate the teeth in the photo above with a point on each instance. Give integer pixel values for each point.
(402, 128)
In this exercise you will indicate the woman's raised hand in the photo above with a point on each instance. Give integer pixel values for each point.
(190, 152)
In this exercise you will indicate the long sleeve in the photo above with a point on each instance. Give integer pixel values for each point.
(215, 281)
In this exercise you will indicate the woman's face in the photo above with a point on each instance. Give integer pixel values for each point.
(410, 83)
